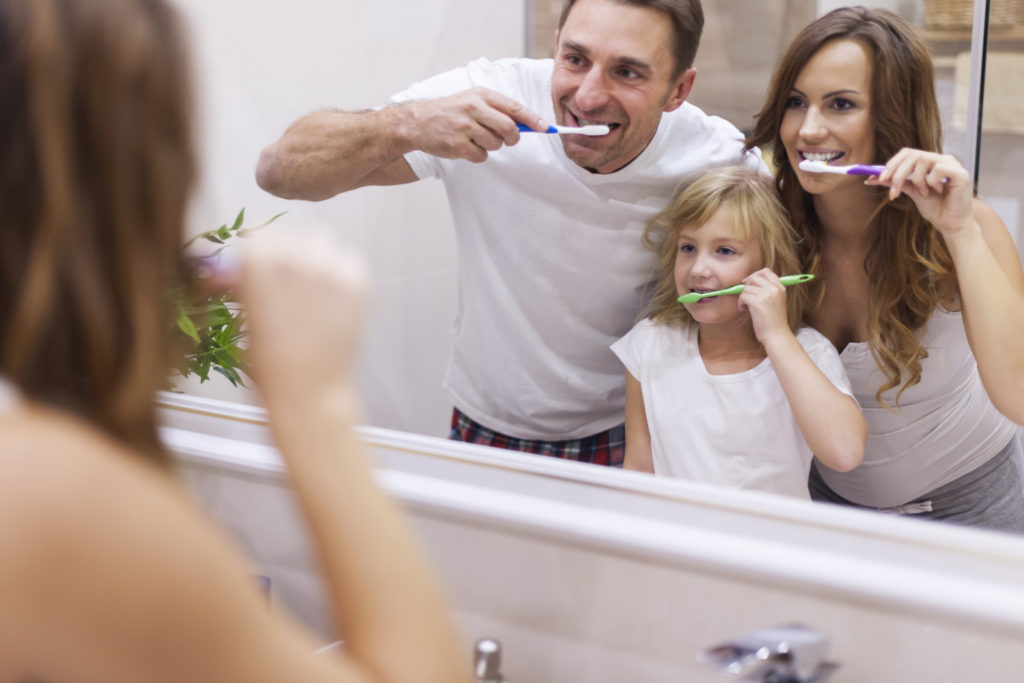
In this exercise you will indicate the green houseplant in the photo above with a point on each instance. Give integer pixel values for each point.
(211, 325)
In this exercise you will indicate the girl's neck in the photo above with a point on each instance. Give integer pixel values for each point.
(729, 348)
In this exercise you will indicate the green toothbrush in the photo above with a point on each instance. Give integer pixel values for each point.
(693, 297)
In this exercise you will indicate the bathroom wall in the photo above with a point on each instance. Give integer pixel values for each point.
(260, 64)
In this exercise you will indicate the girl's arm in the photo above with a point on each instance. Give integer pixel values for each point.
(831, 422)
(638, 434)
(988, 268)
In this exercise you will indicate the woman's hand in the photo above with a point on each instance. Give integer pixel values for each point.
(764, 296)
(938, 184)
(303, 297)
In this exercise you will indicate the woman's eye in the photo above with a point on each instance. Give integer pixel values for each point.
(794, 103)
(842, 104)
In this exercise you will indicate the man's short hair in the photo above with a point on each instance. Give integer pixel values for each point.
(687, 25)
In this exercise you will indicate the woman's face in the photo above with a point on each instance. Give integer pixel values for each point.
(828, 115)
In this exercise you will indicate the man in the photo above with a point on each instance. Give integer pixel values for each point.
(552, 269)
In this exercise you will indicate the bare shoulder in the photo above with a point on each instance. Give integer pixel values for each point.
(108, 561)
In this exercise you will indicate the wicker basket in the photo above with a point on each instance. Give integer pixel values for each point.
(958, 14)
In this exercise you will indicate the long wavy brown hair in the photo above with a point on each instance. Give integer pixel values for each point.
(908, 265)
(750, 197)
(97, 164)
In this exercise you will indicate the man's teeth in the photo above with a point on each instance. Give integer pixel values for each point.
(824, 157)
(589, 122)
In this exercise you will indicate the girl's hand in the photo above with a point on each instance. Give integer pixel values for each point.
(937, 183)
(764, 296)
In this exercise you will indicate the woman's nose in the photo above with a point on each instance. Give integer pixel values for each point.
(813, 126)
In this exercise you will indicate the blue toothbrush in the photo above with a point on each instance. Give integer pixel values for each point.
(596, 129)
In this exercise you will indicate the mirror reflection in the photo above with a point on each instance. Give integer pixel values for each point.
(538, 306)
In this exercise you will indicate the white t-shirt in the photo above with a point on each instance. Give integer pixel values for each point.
(551, 265)
(944, 427)
(732, 430)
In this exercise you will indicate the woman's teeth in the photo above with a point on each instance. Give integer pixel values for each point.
(824, 157)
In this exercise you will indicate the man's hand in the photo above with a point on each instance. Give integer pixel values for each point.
(466, 125)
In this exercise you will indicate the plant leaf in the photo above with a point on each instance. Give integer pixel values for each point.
(186, 325)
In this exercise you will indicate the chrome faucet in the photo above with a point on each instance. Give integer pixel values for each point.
(487, 661)
(784, 654)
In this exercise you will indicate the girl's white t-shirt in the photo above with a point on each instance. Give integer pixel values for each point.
(733, 430)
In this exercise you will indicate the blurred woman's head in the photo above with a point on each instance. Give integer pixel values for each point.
(97, 164)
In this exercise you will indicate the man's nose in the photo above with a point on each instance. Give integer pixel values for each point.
(592, 93)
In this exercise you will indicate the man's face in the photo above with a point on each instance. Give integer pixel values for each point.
(614, 65)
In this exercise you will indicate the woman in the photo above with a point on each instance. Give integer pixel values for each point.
(919, 284)
(109, 573)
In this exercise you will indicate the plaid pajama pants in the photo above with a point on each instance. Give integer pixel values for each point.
(604, 448)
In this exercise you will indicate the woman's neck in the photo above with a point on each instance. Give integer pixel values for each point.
(845, 216)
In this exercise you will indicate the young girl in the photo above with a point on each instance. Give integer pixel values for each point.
(730, 390)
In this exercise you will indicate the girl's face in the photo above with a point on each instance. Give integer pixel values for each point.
(828, 115)
(715, 256)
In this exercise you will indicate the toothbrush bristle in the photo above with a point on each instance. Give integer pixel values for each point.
(595, 129)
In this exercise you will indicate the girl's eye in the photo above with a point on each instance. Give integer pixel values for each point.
(687, 248)
(726, 251)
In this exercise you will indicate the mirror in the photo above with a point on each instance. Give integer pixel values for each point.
(256, 73)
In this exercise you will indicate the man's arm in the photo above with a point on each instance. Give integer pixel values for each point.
(329, 152)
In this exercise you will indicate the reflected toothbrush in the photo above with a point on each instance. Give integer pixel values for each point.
(856, 169)
(596, 129)
(693, 297)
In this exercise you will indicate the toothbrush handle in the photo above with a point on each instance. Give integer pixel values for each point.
(526, 129)
(787, 280)
(795, 279)
(865, 169)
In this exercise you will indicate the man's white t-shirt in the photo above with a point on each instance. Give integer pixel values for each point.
(551, 265)
(734, 430)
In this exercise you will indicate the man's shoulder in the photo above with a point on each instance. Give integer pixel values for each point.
(693, 132)
(689, 115)
(510, 71)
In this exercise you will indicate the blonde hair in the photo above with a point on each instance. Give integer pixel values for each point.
(97, 164)
(756, 211)
(908, 261)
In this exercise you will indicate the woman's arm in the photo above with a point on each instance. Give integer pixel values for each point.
(989, 274)
(386, 601)
(638, 434)
(831, 422)
(111, 575)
